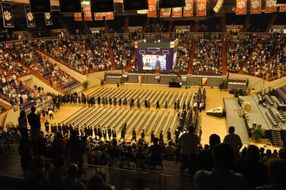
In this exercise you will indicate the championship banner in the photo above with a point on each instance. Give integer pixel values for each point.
(29, 17)
(48, 19)
(77, 16)
(177, 12)
(282, 8)
(109, 16)
(270, 6)
(189, 8)
(201, 8)
(241, 7)
(255, 6)
(8, 19)
(165, 12)
(99, 16)
(152, 8)
(87, 16)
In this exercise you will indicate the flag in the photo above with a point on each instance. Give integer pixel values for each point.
(87, 16)
(99, 16)
(189, 8)
(48, 19)
(109, 16)
(255, 6)
(77, 16)
(8, 18)
(152, 8)
(165, 12)
(241, 7)
(177, 12)
(270, 6)
(282, 8)
(29, 17)
(201, 8)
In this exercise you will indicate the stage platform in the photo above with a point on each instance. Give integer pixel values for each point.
(233, 118)
(256, 114)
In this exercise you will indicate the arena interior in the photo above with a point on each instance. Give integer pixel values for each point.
(142, 94)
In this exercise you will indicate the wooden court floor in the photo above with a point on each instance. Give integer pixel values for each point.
(209, 124)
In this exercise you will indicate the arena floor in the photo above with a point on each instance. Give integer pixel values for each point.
(209, 124)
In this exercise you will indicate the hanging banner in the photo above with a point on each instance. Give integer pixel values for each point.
(282, 8)
(8, 19)
(77, 16)
(270, 6)
(87, 16)
(152, 8)
(241, 7)
(201, 8)
(48, 19)
(177, 12)
(99, 16)
(29, 17)
(165, 12)
(189, 8)
(109, 16)
(255, 6)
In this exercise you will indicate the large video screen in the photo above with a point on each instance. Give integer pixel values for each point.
(154, 62)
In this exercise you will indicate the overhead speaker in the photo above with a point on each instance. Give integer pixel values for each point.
(40, 6)
(102, 6)
(70, 5)
(281, 2)
(129, 5)
(171, 3)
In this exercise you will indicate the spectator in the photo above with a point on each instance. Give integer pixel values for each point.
(277, 173)
(35, 123)
(221, 177)
(189, 145)
(233, 139)
(252, 168)
(71, 181)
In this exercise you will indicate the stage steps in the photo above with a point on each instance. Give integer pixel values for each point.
(276, 138)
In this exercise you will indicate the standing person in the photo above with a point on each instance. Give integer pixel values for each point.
(22, 123)
(161, 136)
(157, 105)
(143, 134)
(51, 114)
(123, 131)
(47, 126)
(35, 123)
(133, 134)
(189, 145)
(169, 134)
(166, 104)
(233, 139)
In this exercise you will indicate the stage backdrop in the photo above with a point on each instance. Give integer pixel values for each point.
(153, 58)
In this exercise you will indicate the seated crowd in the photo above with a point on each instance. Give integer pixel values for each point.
(41, 65)
(239, 49)
(183, 56)
(207, 55)
(83, 54)
(267, 60)
(123, 51)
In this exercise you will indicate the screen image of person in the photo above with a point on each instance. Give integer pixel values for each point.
(154, 62)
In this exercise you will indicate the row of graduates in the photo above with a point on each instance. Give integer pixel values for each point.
(91, 101)
(97, 131)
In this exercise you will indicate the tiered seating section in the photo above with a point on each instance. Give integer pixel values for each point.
(81, 53)
(207, 55)
(123, 51)
(260, 55)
